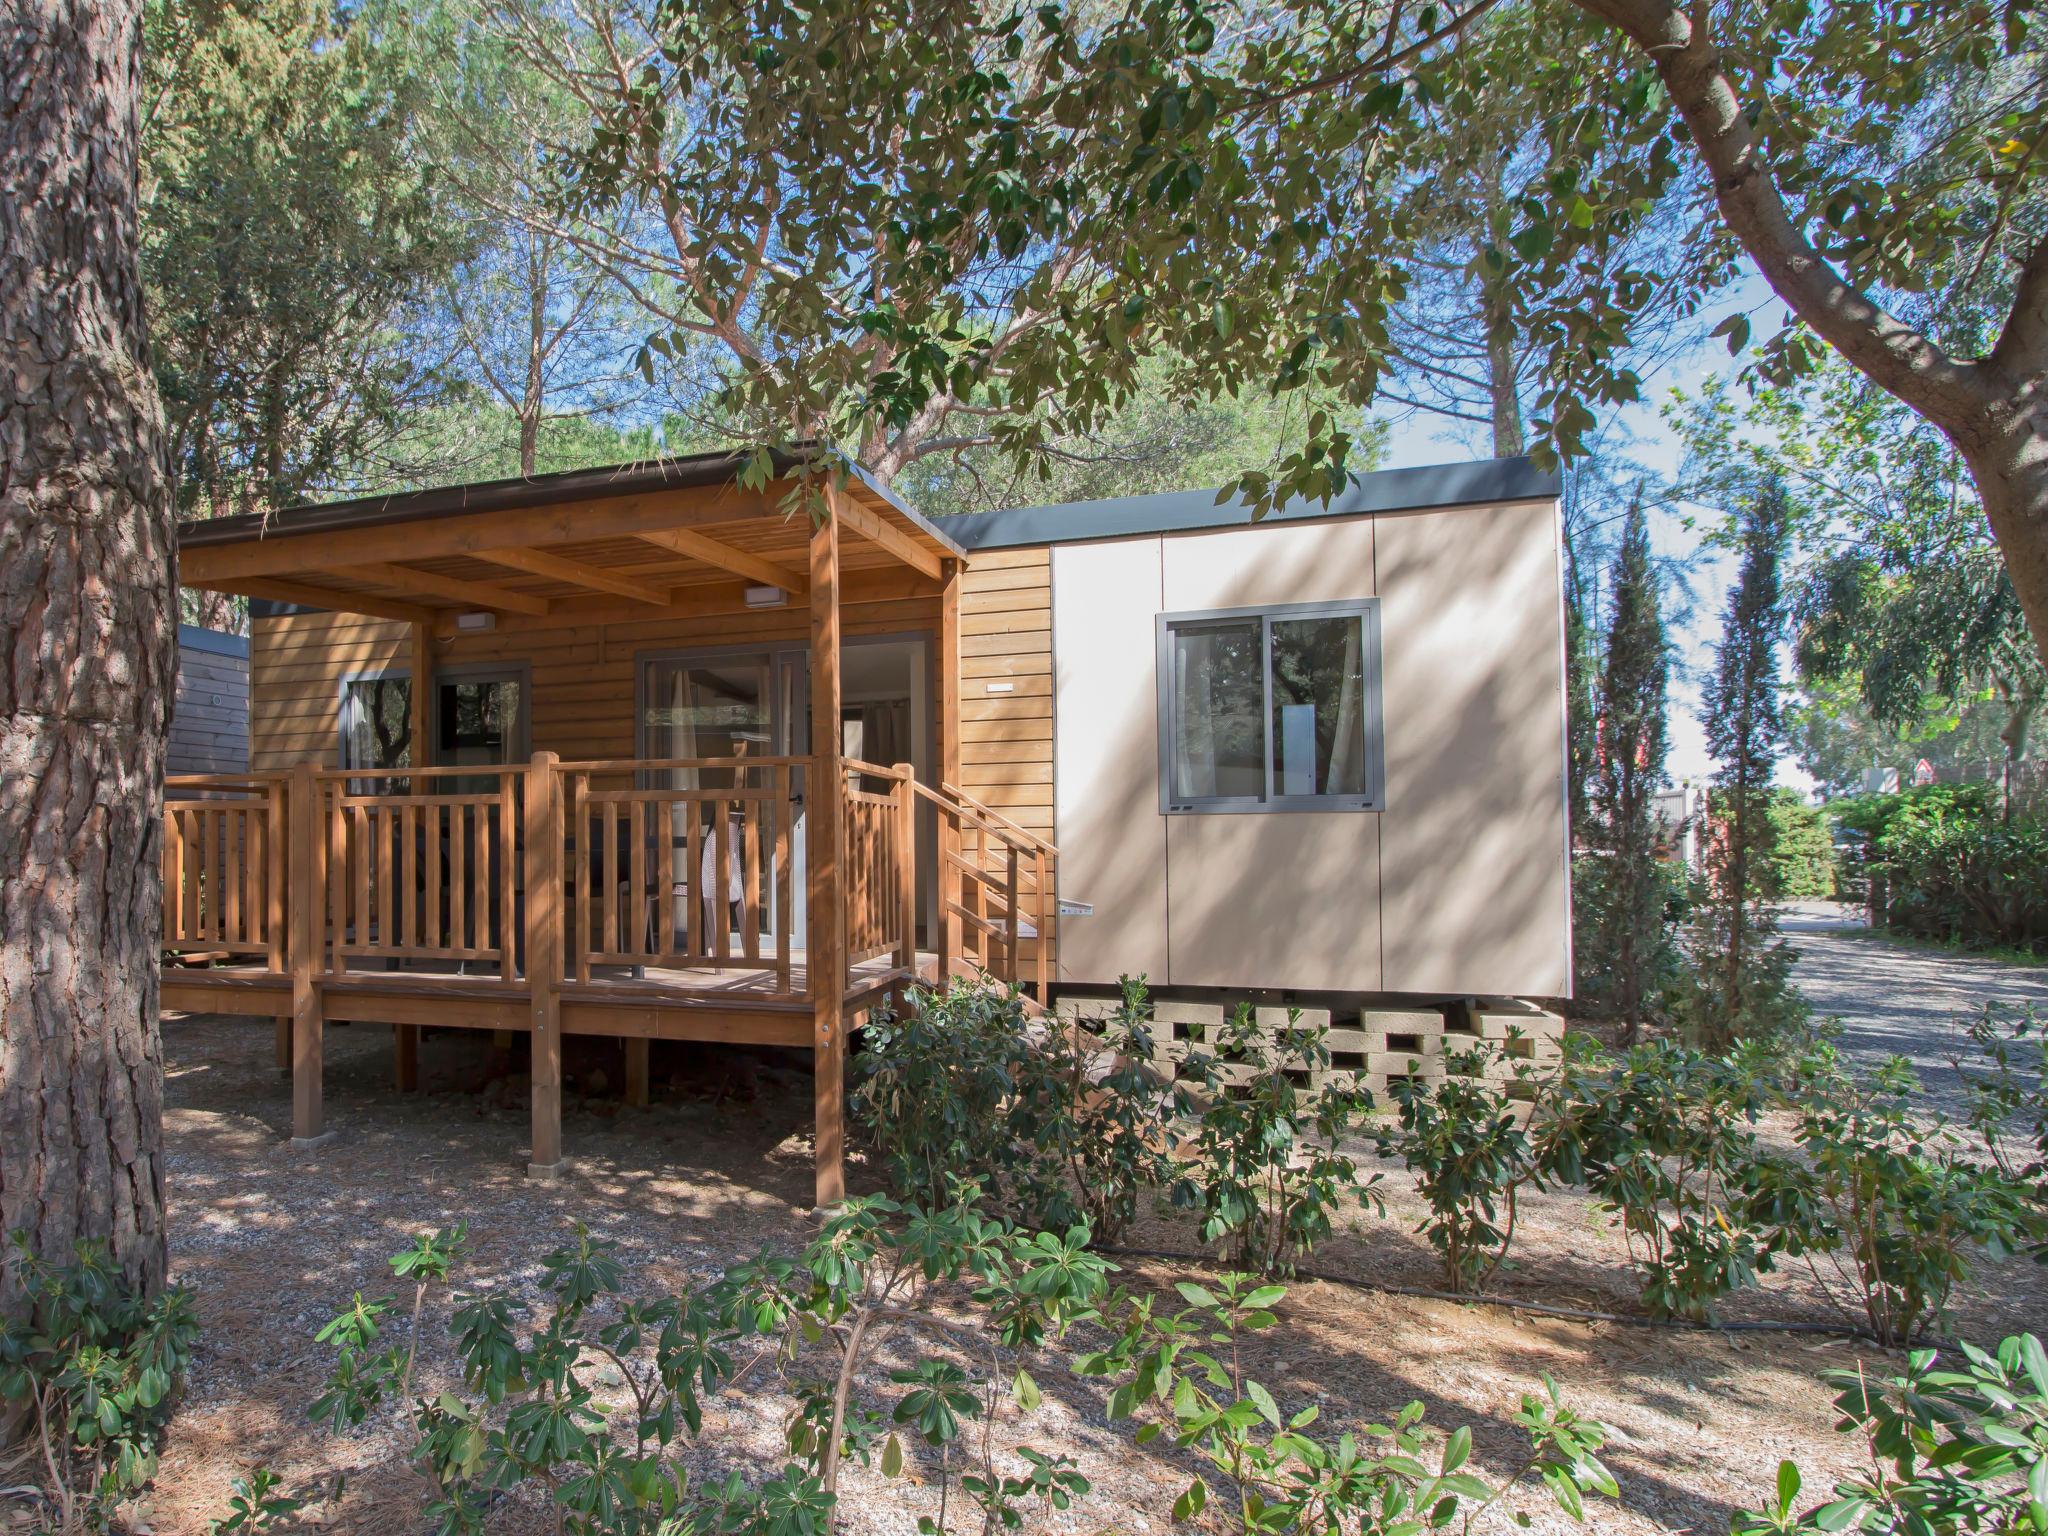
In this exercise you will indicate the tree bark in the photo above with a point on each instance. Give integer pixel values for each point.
(88, 649)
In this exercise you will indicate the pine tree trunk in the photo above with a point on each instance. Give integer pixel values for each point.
(89, 640)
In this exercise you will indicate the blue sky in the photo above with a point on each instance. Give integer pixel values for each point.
(1695, 611)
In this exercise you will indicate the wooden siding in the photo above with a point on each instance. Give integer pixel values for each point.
(583, 678)
(1006, 735)
(210, 719)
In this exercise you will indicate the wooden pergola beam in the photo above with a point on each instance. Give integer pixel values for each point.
(704, 601)
(697, 546)
(569, 522)
(576, 573)
(304, 595)
(870, 526)
(477, 594)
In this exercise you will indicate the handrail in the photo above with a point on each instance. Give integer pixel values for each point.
(1031, 839)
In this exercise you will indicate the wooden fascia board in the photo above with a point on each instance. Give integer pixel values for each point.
(697, 546)
(576, 573)
(869, 525)
(476, 594)
(207, 565)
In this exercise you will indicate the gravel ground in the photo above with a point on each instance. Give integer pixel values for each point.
(1897, 999)
(275, 1241)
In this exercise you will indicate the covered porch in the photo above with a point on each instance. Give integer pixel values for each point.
(766, 897)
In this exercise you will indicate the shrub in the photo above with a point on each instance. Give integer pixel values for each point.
(1462, 1139)
(529, 1412)
(1970, 882)
(1665, 1139)
(960, 1087)
(1954, 1445)
(2004, 1070)
(1183, 1377)
(1802, 853)
(93, 1369)
(1888, 1213)
(1058, 1123)
(1263, 1171)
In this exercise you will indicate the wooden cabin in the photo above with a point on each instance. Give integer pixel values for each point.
(583, 755)
(638, 752)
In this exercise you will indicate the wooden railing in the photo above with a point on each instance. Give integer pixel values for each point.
(881, 863)
(683, 864)
(224, 866)
(679, 875)
(424, 874)
(997, 885)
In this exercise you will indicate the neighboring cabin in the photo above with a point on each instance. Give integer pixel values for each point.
(210, 718)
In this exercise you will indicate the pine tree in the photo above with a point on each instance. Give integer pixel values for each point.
(1741, 982)
(1626, 946)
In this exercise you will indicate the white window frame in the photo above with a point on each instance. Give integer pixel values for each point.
(1367, 611)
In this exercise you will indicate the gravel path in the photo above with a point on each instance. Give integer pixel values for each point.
(1895, 999)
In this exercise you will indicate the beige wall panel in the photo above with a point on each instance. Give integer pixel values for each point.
(1283, 900)
(1277, 563)
(1288, 899)
(1474, 883)
(1112, 838)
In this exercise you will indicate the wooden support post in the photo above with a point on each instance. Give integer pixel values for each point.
(422, 699)
(308, 922)
(906, 866)
(948, 829)
(405, 1054)
(544, 958)
(826, 960)
(636, 1070)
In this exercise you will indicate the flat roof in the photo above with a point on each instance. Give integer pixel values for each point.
(1377, 491)
(667, 473)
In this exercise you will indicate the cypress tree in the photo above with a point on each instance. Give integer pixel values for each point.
(1625, 894)
(1741, 969)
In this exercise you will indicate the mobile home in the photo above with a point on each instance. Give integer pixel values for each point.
(635, 752)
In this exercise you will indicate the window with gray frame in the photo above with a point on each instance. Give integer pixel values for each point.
(1270, 709)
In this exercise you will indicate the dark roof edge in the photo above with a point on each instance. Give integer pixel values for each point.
(697, 469)
(1385, 490)
(192, 637)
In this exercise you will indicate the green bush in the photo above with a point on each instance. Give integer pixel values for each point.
(1057, 1123)
(1888, 1211)
(1464, 1141)
(93, 1369)
(2003, 1065)
(1664, 1137)
(1263, 1170)
(961, 1088)
(1954, 1445)
(1183, 1377)
(1970, 882)
(589, 1406)
(1802, 854)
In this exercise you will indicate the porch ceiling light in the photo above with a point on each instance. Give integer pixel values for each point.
(766, 597)
(476, 621)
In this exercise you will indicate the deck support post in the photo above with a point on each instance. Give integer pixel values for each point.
(405, 1057)
(421, 713)
(309, 925)
(636, 1071)
(826, 796)
(544, 959)
(906, 867)
(947, 939)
